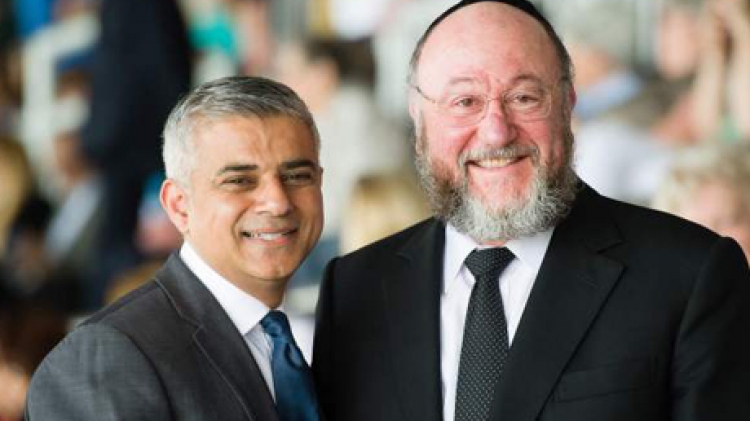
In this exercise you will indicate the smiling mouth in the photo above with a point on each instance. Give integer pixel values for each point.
(495, 162)
(268, 236)
(496, 158)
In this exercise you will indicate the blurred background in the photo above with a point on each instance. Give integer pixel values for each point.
(662, 120)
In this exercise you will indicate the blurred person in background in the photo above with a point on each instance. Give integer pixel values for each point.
(16, 183)
(31, 272)
(10, 73)
(710, 185)
(379, 205)
(206, 339)
(229, 37)
(27, 265)
(141, 65)
(704, 48)
(615, 153)
(603, 48)
(28, 331)
(15, 172)
(528, 295)
(676, 57)
(392, 27)
(392, 42)
(24, 219)
(156, 239)
(720, 100)
(71, 238)
(256, 37)
(47, 53)
(335, 78)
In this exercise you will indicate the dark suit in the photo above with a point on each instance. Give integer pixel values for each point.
(635, 315)
(166, 351)
(141, 67)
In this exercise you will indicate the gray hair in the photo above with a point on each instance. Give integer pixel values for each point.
(226, 97)
(693, 168)
(609, 27)
(566, 64)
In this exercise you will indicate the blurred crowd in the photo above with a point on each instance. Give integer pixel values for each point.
(662, 120)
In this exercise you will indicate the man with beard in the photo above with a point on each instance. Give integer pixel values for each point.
(529, 296)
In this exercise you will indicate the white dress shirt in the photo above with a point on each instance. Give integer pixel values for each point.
(243, 309)
(516, 282)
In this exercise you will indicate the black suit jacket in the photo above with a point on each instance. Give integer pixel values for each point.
(166, 351)
(635, 315)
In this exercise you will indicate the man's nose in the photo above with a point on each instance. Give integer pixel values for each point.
(273, 198)
(497, 125)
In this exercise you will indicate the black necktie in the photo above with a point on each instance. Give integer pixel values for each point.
(292, 380)
(485, 346)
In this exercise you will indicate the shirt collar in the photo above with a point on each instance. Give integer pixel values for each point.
(243, 309)
(529, 251)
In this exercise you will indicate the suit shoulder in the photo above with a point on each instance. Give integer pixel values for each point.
(95, 369)
(144, 293)
(138, 312)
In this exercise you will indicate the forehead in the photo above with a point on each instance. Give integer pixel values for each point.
(258, 140)
(490, 41)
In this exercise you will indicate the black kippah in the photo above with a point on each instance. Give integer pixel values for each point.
(523, 5)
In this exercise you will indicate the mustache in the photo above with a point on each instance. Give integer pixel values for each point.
(511, 151)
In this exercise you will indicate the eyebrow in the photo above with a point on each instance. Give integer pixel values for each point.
(298, 163)
(236, 168)
(288, 165)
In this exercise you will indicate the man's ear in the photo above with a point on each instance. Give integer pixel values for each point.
(413, 107)
(174, 200)
(572, 97)
(415, 112)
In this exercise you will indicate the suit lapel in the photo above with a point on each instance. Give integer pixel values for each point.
(412, 297)
(573, 283)
(217, 339)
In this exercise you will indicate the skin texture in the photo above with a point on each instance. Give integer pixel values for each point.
(500, 46)
(253, 209)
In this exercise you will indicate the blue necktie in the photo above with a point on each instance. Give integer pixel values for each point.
(292, 380)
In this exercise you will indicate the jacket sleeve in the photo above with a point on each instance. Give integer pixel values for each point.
(96, 373)
(711, 362)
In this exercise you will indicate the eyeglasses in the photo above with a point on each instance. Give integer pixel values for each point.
(466, 106)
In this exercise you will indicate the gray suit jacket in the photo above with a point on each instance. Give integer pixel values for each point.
(166, 351)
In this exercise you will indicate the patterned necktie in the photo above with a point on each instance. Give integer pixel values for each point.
(292, 380)
(485, 346)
